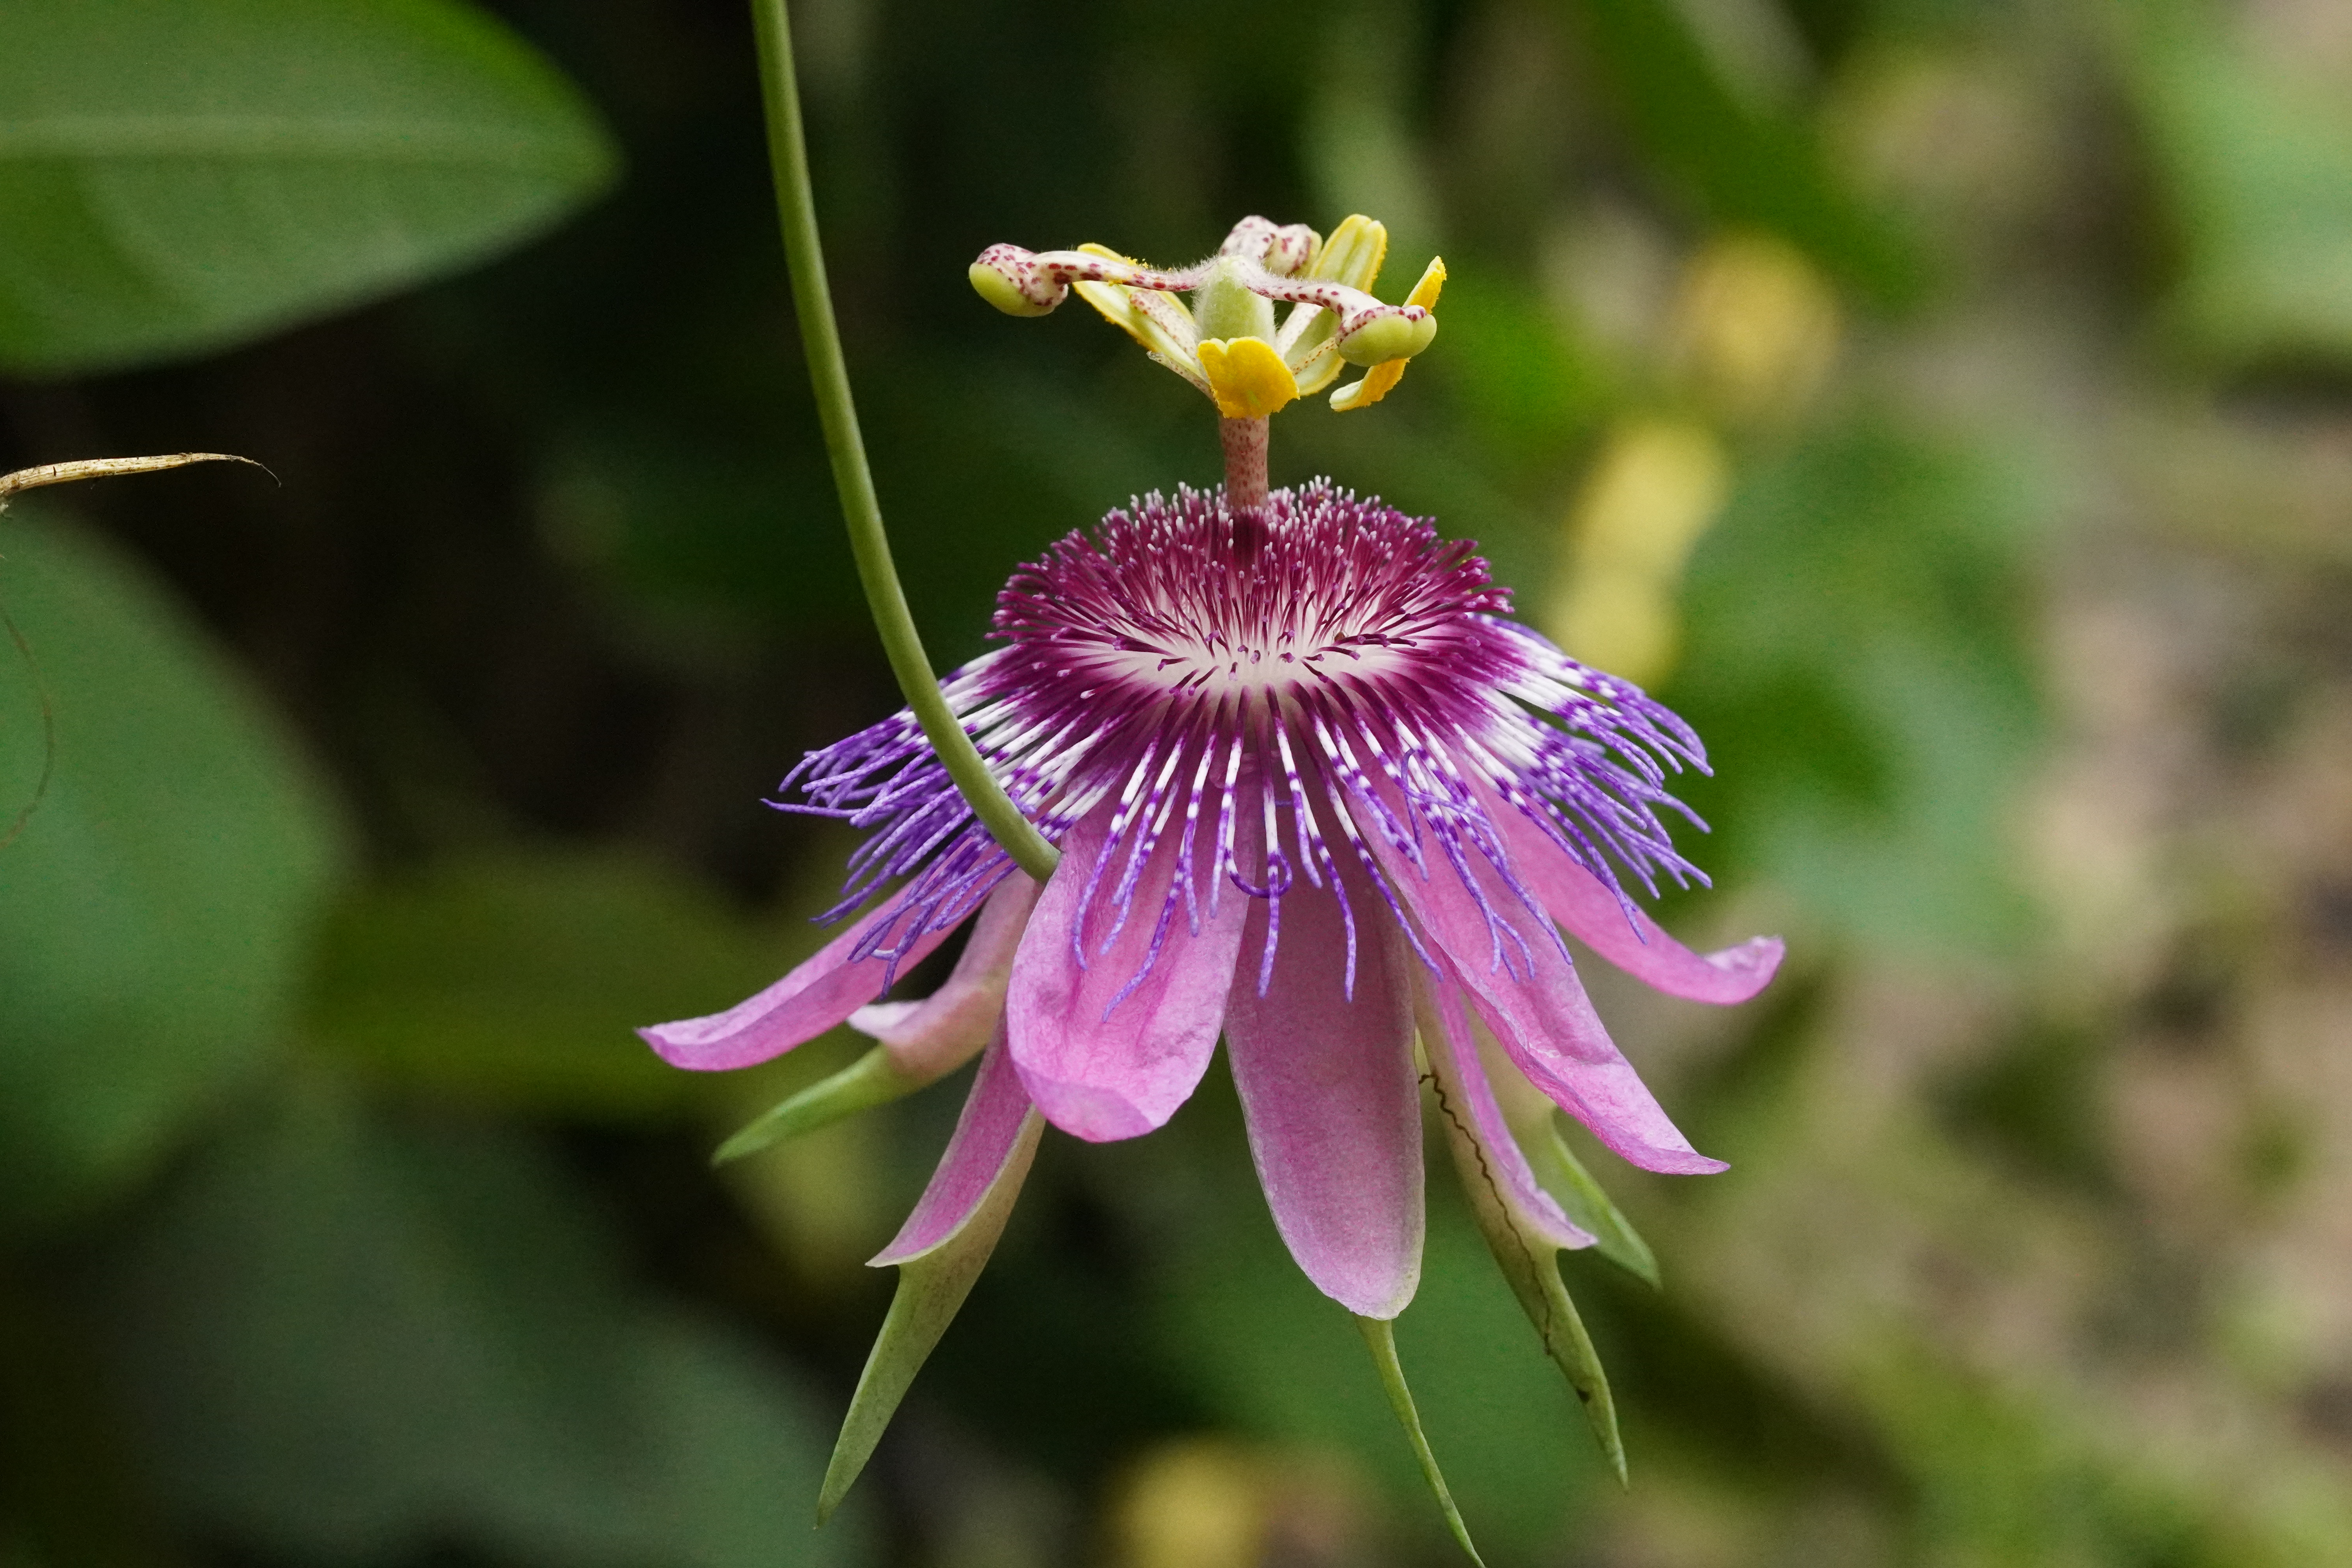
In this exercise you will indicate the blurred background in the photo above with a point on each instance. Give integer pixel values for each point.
(1945, 404)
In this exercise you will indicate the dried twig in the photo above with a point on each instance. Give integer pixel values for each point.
(61, 473)
(106, 468)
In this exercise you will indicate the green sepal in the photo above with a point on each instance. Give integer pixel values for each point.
(1379, 1334)
(1549, 1307)
(931, 1289)
(1531, 1264)
(872, 1080)
(1563, 1175)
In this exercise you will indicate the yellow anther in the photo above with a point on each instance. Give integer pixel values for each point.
(1246, 376)
(1354, 253)
(1400, 333)
(1382, 379)
(1352, 258)
(1002, 292)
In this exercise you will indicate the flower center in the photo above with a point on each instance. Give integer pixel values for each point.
(1181, 601)
(1207, 661)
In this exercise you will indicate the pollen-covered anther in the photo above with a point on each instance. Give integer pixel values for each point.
(1385, 373)
(1008, 277)
(1284, 249)
(1385, 332)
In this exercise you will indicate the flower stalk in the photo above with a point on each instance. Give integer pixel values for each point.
(861, 509)
(1245, 441)
(1379, 1337)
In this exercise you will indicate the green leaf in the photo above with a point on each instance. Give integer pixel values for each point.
(1586, 1203)
(1745, 163)
(931, 1289)
(1858, 660)
(156, 912)
(346, 1338)
(516, 980)
(1379, 1335)
(2258, 160)
(1525, 387)
(180, 175)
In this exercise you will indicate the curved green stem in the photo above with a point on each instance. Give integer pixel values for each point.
(1379, 1335)
(829, 374)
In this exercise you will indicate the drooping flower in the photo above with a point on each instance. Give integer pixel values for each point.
(1309, 785)
(1313, 791)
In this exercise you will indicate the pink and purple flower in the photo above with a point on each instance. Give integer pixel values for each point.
(1313, 791)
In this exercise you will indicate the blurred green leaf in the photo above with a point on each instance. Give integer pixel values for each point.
(1858, 664)
(349, 1340)
(155, 915)
(517, 979)
(2004, 1475)
(177, 175)
(2258, 160)
(695, 524)
(1744, 162)
(1524, 386)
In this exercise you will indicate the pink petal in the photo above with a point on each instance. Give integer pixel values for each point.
(932, 1038)
(802, 1005)
(990, 1132)
(1442, 1005)
(1583, 903)
(1102, 1071)
(876, 1019)
(1537, 1006)
(1330, 1095)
